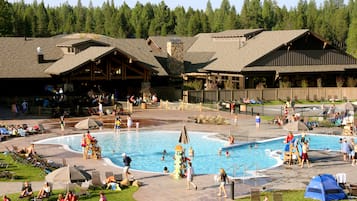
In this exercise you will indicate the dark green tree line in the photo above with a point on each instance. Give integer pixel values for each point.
(332, 20)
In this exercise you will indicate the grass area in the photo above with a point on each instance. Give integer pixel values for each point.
(26, 172)
(19, 171)
(124, 195)
(292, 195)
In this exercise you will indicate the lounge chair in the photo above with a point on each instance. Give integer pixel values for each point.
(4, 165)
(96, 180)
(254, 194)
(352, 190)
(108, 174)
(42, 129)
(341, 179)
(118, 177)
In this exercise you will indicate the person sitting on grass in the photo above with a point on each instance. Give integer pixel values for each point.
(60, 197)
(26, 190)
(102, 196)
(70, 196)
(45, 191)
(5, 198)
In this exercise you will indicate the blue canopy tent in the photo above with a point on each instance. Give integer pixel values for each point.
(325, 188)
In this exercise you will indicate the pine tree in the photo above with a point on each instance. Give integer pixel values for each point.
(181, 21)
(268, 14)
(351, 41)
(90, 21)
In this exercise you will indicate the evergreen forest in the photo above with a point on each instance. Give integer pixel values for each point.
(332, 20)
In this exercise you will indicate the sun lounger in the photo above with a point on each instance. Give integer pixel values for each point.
(352, 190)
(96, 180)
(118, 177)
(108, 174)
(4, 165)
(341, 179)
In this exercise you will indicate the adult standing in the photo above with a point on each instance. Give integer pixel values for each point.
(126, 161)
(88, 139)
(129, 121)
(83, 145)
(354, 159)
(345, 149)
(223, 179)
(305, 149)
(62, 123)
(100, 108)
(189, 176)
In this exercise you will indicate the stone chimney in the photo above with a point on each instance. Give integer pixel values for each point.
(40, 58)
(175, 63)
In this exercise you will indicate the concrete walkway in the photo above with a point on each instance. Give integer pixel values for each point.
(160, 187)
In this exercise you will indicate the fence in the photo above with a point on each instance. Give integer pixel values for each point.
(270, 94)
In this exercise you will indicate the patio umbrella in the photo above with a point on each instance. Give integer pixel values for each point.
(88, 124)
(183, 136)
(68, 174)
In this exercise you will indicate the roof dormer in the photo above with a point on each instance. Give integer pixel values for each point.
(78, 45)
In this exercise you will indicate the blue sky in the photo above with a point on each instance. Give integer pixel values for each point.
(195, 4)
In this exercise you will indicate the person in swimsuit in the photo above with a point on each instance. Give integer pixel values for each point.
(305, 157)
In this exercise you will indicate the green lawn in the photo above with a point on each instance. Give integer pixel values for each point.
(124, 195)
(23, 171)
(20, 171)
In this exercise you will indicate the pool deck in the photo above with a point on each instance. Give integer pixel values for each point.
(161, 187)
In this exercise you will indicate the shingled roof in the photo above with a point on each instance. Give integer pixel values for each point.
(20, 60)
(228, 51)
(138, 49)
(18, 57)
(73, 61)
(230, 57)
(300, 69)
(237, 33)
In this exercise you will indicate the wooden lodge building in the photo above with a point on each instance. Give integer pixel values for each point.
(233, 59)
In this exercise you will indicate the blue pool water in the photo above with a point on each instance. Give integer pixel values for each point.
(146, 147)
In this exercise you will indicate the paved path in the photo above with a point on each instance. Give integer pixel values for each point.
(160, 187)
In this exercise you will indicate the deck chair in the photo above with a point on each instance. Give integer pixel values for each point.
(352, 190)
(42, 129)
(96, 180)
(118, 177)
(254, 194)
(341, 179)
(4, 165)
(108, 174)
(277, 196)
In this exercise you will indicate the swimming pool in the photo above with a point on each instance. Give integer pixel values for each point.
(146, 147)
